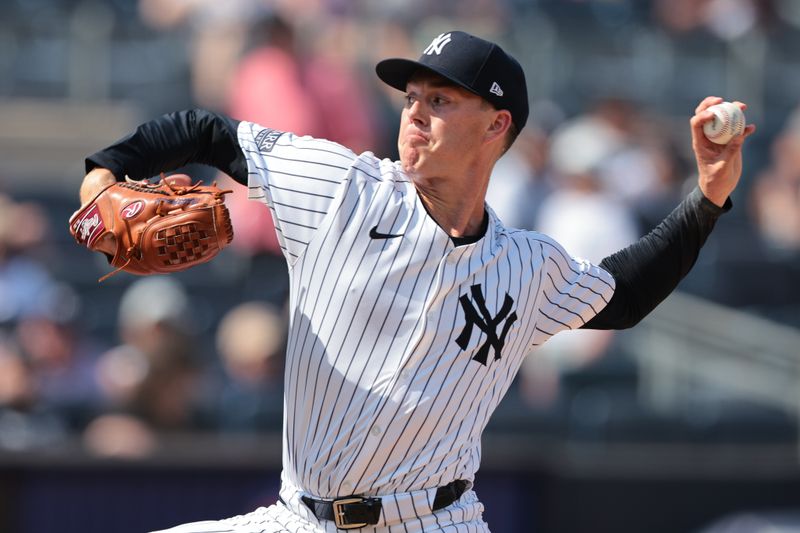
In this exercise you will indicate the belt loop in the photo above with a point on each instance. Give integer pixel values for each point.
(448, 494)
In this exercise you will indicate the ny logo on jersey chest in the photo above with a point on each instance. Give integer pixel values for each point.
(487, 323)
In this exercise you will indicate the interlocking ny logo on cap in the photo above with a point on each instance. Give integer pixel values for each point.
(438, 44)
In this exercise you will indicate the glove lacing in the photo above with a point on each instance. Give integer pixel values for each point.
(129, 254)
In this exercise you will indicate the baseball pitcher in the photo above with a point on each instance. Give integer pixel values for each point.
(411, 304)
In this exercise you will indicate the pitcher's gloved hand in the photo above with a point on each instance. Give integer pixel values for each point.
(155, 228)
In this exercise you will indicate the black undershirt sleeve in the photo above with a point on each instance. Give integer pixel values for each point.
(172, 141)
(647, 271)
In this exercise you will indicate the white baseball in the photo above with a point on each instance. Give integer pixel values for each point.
(728, 122)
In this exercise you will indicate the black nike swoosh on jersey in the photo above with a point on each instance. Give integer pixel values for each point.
(375, 234)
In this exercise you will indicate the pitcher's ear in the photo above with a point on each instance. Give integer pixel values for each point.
(499, 126)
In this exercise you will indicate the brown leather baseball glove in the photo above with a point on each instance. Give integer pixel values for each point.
(157, 228)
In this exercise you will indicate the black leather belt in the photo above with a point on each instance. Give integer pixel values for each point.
(353, 512)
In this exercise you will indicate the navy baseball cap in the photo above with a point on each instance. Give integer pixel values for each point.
(475, 64)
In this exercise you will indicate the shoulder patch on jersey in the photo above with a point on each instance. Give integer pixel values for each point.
(266, 139)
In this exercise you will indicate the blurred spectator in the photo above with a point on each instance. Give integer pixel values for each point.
(267, 84)
(581, 207)
(775, 195)
(61, 358)
(627, 152)
(24, 422)
(267, 88)
(153, 379)
(681, 16)
(731, 19)
(250, 341)
(119, 435)
(632, 172)
(309, 90)
(344, 104)
(519, 182)
(48, 384)
(387, 37)
(17, 389)
(590, 223)
(584, 143)
(24, 281)
(218, 33)
(726, 19)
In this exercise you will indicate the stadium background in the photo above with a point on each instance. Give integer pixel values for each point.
(127, 406)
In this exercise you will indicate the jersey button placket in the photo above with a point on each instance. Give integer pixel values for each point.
(456, 254)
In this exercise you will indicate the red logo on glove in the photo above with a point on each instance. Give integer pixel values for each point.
(132, 209)
(89, 226)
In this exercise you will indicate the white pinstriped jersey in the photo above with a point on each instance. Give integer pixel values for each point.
(401, 344)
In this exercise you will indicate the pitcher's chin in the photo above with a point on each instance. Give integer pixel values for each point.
(410, 158)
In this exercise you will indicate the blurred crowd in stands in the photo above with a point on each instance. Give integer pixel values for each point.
(605, 157)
